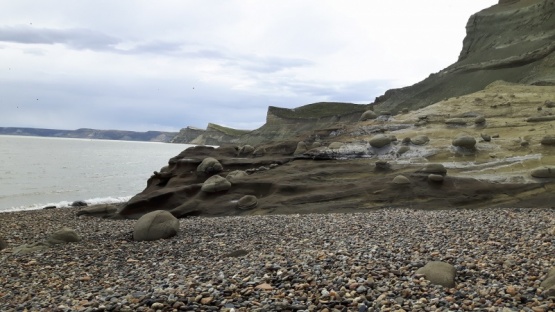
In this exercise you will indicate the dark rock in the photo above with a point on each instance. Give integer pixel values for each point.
(49, 207)
(485, 137)
(548, 140)
(382, 165)
(543, 172)
(247, 202)
(439, 273)
(464, 141)
(549, 104)
(155, 225)
(480, 120)
(3, 243)
(79, 203)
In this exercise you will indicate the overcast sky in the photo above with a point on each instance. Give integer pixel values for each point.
(164, 65)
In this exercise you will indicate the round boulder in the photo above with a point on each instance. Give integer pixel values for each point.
(401, 180)
(439, 273)
(435, 178)
(245, 150)
(155, 225)
(259, 152)
(367, 115)
(434, 169)
(247, 202)
(420, 140)
(236, 174)
(215, 183)
(543, 172)
(402, 150)
(380, 141)
(480, 120)
(210, 166)
(62, 236)
(548, 140)
(464, 141)
(486, 137)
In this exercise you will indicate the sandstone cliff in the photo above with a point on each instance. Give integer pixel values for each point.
(213, 135)
(512, 41)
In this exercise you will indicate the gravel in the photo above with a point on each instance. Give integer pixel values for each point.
(318, 262)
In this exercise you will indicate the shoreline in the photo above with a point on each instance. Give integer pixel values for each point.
(311, 262)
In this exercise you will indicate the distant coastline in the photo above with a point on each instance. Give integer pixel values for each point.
(85, 133)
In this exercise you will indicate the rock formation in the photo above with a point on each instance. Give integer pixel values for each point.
(347, 163)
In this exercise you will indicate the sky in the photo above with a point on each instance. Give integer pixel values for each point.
(164, 65)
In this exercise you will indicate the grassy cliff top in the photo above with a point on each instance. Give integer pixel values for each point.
(317, 110)
(226, 130)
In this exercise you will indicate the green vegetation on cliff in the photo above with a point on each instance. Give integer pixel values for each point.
(317, 110)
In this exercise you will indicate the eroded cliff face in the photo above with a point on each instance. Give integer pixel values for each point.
(512, 41)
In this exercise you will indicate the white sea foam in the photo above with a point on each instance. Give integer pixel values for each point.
(66, 204)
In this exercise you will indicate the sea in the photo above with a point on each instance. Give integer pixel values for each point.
(37, 172)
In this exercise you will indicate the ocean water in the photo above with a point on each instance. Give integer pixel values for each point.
(36, 172)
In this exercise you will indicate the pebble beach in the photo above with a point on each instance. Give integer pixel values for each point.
(316, 262)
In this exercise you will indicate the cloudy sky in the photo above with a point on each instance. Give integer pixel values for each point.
(163, 65)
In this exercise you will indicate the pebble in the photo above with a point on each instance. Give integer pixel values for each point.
(318, 262)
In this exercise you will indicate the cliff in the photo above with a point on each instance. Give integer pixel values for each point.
(152, 136)
(213, 135)
(512, 41)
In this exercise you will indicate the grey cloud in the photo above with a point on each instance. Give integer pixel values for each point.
(76, 38)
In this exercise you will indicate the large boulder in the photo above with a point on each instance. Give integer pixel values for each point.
(245, 150)
(367, 115)
(380, 140)
(215, 184)
(543, 172)
(439, 273)
(62, 236)
(247, 202)
(401, 180)
(420, 140)
(155, 225)
(103, 211)
(209, 166)
(464, 141)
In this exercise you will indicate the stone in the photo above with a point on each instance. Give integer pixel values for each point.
(210, 166)
(247, 202)
(236, 175)
(79, 203)
(103, 211)
(155, 225)
(380, 141)
(480, 120)
(382, 165)
(401, 180)
(420, 140)
(464, 141)
(543, 172)
(434, 169)
(259, 152)
(455, 122)
(549, 104)
(301, 148)
(245, 150)
(3, 243)
(215, 183)
(548, 140)
(439, 273)
(367, 115)
(62, 236)
(335, 145)
(435, 178)
(264, 286)
(402, 150)
(49, 207)
(549, 281)
(486, 137)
